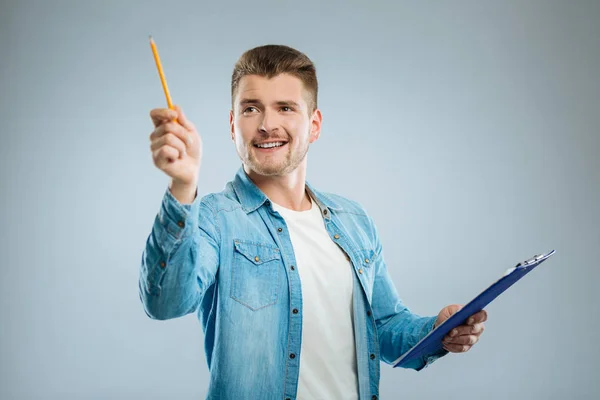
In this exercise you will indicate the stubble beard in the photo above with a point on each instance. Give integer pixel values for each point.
(290, 162)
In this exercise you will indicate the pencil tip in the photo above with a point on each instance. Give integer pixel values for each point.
(150, 37)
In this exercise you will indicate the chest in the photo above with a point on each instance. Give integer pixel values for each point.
(264, 258)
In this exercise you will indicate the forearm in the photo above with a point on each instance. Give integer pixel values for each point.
(400, 333)
(168, 278)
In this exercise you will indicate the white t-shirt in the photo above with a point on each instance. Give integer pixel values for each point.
(327, 354)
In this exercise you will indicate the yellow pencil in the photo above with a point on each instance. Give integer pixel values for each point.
(161, 73)
(162, 78)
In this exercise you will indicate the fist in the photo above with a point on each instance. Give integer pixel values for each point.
(175, 144)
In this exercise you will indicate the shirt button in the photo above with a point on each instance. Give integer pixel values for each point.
(292, 268)
(372, 356)
(360, 271)
(279, 229)
(324, 212)
(268, 202)
(162, 264)
(367, 260)
(374, 397)
(181, 224)
(369, 313)
(295, 311)
(292, 355)
(256, 259)
(336, 236)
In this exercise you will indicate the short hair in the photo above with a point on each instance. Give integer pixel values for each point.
(271, 60)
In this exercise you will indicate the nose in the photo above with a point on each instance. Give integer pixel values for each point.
(268, 122)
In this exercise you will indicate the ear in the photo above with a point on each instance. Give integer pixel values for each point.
(315, 125)
(231, 126)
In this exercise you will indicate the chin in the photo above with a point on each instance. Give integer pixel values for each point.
(268, 170)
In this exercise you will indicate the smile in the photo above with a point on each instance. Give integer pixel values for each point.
(270, 145)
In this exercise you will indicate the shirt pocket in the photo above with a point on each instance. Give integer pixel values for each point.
(255, 274)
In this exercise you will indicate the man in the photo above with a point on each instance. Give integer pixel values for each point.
(290, 283)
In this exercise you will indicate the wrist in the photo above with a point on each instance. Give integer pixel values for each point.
(184, 192)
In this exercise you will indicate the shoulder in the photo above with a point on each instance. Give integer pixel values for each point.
(222, 201)
(346, 207)
(345, 204)
(354, 216)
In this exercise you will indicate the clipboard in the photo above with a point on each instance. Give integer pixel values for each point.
(432, 343)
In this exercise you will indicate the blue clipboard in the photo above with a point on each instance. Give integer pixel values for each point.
(432, 343)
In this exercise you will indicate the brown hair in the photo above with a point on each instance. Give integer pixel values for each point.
(271, 60)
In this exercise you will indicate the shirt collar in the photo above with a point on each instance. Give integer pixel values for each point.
(251, 197)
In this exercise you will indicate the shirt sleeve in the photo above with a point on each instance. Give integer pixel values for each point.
(180, 259)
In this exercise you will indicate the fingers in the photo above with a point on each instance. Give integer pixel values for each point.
(173, 128)
(480, 316)
(464, 339)
(182, 119)
(161, 115)
(466, 330)
(169, 140)
(164, 156)
(166, 120)
(460, 344)
(457, 348)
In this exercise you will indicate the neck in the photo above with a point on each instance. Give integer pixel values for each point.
(288, 191)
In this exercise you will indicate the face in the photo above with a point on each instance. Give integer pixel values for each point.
(271, 125)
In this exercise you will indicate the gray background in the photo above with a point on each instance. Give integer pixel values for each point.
(469, 131)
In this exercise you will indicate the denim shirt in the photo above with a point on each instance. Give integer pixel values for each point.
(228, 256)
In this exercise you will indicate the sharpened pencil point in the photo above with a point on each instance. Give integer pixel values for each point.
(150, 37)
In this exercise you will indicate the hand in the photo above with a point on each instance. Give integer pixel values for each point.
(176, 145)
(463, 337)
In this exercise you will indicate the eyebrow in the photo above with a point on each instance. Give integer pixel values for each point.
(289, 103)
(249, 101)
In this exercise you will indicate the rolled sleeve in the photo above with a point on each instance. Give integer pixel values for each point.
(176, 221)
(180, 259)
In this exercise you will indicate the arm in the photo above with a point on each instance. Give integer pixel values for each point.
(397, 327)
(180, 260)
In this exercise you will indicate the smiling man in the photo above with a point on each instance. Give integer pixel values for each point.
(289, 282)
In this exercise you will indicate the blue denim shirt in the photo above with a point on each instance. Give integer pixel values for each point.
(229, 257)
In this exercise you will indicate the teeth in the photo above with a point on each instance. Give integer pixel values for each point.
(269, 145)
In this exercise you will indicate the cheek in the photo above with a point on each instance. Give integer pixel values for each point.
(242, 132)
(297, 129)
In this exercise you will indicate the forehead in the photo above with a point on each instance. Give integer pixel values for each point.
(277, 88)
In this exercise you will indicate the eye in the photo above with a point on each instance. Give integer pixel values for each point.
(286, 109)
(250, 109)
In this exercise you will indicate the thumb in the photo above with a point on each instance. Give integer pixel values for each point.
(447, 312)
(186, 123)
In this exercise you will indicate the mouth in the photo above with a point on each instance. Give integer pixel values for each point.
(270, 147)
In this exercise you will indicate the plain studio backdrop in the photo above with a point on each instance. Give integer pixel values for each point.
(468, 130)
